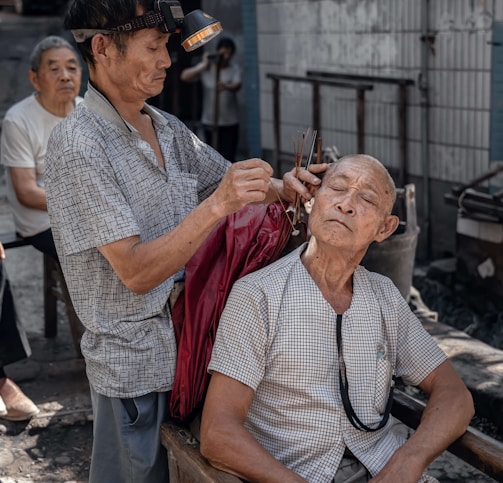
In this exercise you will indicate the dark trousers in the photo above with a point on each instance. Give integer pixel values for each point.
(227, 140)
(14, 345)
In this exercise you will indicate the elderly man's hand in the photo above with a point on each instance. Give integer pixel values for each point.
(303, 182)
(401, 468)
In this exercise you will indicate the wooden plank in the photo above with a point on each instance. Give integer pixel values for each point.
(11, 240)
(186, 464)
(475, 448)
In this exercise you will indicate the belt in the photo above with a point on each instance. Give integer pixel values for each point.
(348, 453)
(175, 293)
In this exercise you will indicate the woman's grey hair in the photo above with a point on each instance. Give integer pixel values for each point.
(51, 42)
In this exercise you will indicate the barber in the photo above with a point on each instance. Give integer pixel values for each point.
(132, 194)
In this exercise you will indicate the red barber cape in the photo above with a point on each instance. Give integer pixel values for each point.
(242, 243)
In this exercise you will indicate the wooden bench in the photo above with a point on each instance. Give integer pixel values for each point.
(187, 465)
(54, 289)
(185, 462)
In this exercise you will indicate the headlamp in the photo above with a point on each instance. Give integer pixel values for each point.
(197, 28)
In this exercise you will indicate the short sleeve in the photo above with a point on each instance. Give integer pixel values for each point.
(16, 146)
(84, 198)
(240, 346)
(418, 354)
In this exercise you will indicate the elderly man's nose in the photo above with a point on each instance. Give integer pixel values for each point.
(65, 74)
(345, 204)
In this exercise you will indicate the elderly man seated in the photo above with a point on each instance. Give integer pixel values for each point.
(308, 348)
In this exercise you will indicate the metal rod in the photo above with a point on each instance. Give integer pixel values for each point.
(360, 120)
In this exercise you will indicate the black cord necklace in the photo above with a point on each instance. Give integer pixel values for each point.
(344, 388)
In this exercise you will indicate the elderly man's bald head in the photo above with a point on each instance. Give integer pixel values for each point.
(386, 181)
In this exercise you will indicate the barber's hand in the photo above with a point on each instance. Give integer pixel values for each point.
(306, 184)
(2, 251)
(245, 182)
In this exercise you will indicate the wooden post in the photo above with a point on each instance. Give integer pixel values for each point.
(216, 105)
(50, 298)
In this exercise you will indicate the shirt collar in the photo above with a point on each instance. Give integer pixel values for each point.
(95, 101)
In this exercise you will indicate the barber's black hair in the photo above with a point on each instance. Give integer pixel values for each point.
(228, 43)
(102, 14)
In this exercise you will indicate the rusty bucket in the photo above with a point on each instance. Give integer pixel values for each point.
(395, 256)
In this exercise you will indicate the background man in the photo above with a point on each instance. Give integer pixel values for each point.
(55, 75)
(220, 113)
(319, 329)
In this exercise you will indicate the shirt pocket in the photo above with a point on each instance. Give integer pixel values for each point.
(382, 383)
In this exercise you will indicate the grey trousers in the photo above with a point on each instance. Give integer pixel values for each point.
(351, 471)
(126, 439)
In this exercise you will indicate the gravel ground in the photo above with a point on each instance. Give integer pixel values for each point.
(461, 305)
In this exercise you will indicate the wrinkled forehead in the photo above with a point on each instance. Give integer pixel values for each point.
(364, 170)
(57, 53)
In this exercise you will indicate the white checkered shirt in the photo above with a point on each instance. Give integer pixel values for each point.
(104, 184)
(277, 335)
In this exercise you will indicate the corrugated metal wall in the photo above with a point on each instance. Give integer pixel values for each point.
(384, 38)
(460, 88)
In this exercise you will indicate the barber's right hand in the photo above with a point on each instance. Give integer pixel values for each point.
(245, 182)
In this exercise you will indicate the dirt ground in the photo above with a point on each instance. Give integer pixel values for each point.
(36, 454)
(56, 445)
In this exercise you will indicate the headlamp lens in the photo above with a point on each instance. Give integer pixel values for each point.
(201, 37)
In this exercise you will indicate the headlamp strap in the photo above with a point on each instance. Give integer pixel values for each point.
(146, 21)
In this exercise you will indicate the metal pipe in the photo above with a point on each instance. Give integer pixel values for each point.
(402, 134)
(360, 119)
(276, 112)
(425, 141)
(316, 106)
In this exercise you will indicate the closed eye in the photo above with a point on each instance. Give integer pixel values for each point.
(337, 188)
(369, 199)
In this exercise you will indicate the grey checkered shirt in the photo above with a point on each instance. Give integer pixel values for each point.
(104, 184)
(277, 335)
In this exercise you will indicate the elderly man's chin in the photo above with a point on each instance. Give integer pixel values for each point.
(67, 95)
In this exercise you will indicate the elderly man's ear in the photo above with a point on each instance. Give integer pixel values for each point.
(388, 227)
(308, 205)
